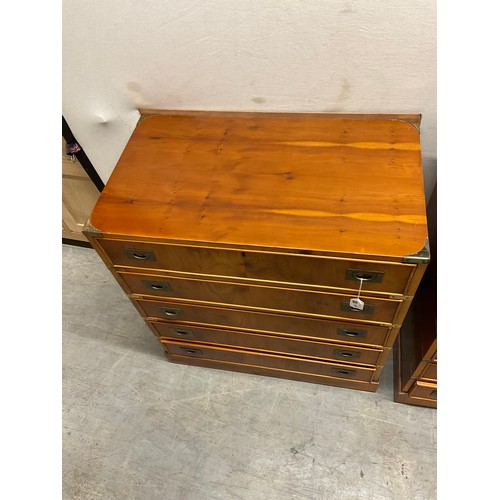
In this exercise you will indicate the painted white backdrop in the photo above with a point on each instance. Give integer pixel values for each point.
(258, 55)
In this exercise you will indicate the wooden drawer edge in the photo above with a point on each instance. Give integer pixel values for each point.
(420, 385)
(304, 287)
(263, 354)
(401, 396)
(418, 374)
(368, 258)
(428, 378)
(282, 312)
(261, 359)
(255, 350)
(274, 372)
(292, 336)
(405, 398)
(231, 307)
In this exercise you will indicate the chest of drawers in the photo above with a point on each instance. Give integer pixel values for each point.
(415, 356)
(415, 350)
(241, 238)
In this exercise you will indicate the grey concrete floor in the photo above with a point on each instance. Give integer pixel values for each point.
(138, 427)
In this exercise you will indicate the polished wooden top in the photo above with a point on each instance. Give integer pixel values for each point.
(316, 182)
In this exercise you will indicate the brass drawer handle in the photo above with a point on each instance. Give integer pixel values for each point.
(362, 274)
(181, 332)
(172, 311)
(158, 285)
(344, 332)
(135, 254)
(344, 372)
(346, 354)
(191, 352)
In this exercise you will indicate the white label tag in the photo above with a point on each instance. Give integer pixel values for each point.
(357, 303)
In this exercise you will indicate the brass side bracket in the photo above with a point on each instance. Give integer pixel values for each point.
(91, 230)
(421, 257)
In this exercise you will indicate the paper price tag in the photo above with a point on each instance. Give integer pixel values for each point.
(357, 303)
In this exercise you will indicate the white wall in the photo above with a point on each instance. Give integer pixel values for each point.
(264, 55)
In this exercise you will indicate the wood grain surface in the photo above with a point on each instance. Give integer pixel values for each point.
(313, 366)
(273, 372)
(261, 297)
(269, 343)
(270, 268)
(318, 182)
(265, 322)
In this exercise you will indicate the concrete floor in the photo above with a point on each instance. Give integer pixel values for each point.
(138, 427)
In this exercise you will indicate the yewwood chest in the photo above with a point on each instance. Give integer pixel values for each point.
(280, 244)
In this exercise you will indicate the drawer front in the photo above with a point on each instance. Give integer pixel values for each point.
(430, 372)
(283, 268)
(328, 369)
(237, 294)
(261, 342)
(273, 372)
(339, 331)
(423, 390)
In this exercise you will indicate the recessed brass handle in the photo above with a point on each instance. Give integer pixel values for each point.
(191, 351)
(172, 311)
(182, 332)
(137, 254)
(344, 332)
(346, 354)
(158, 285)
(362, 274)
(344, 372)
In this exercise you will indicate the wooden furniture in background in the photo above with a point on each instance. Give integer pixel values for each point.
(79, 195)
(242, 237)
(415, 353)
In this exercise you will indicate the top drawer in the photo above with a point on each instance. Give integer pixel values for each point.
(282, 268)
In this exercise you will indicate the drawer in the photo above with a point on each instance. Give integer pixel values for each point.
(272, 372)
(423, 390)
(276, 267)
(262, 297)
(272, 343)
(327, 369)
(314, 328)
(430, 372)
